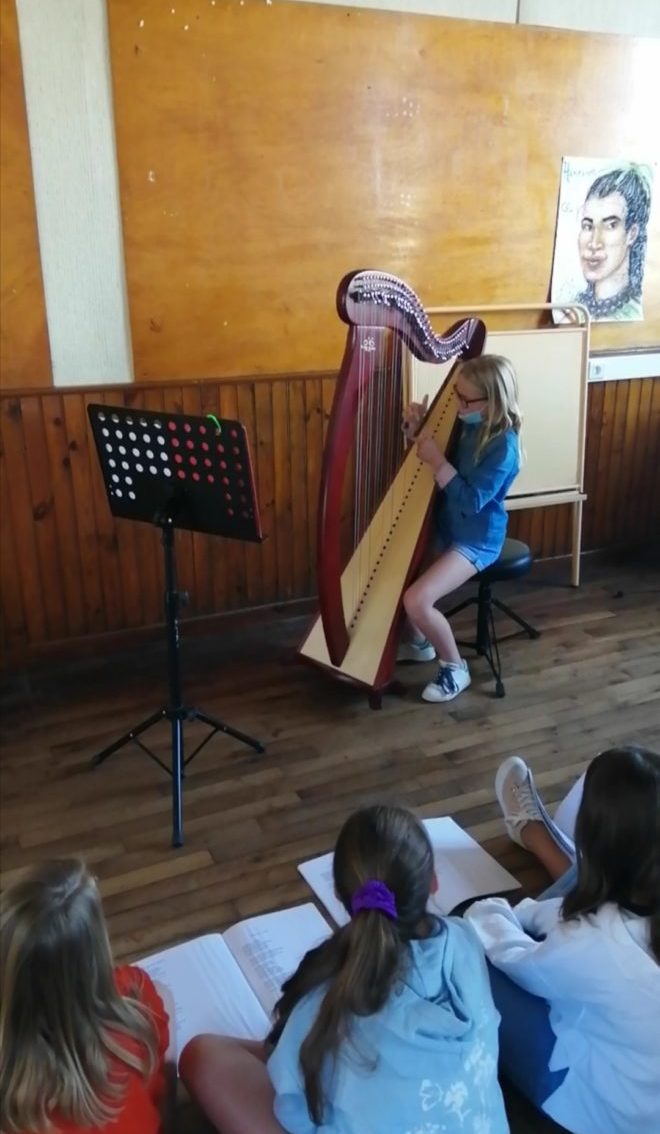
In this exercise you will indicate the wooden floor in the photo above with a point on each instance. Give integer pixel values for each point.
(592, 680)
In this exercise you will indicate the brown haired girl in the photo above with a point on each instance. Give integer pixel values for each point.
(82, 1045)
(386, 1026)
(576, 976)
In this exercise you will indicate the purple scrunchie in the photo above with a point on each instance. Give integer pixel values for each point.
(374, 895)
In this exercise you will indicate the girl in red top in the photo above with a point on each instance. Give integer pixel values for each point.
(82, 1045)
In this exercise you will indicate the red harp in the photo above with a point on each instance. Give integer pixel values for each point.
(363, 573)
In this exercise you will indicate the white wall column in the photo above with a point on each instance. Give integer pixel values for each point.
(68, 91)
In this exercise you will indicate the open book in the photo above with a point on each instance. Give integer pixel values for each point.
(464, 870)
(229, 983)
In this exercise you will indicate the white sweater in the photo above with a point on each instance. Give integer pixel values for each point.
(602, 983)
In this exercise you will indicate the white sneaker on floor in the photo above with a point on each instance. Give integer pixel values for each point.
(416, 651)
(516, 795)
(451, 679)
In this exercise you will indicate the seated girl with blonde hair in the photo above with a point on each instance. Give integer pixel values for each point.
(82, 1044)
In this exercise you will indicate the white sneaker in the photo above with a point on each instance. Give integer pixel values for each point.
(516, 795)
(416, 651)
(452, 678)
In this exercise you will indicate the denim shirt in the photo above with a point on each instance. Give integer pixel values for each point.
(425, 1063)
(470, 509)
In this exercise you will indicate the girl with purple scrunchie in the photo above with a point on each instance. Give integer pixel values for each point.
(387, 1027)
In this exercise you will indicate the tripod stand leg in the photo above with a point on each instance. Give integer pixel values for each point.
(220, 726)
(177, 775)
(117, 744)
(530, 630)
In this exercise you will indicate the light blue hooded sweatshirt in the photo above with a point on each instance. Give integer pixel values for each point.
(425, 1064)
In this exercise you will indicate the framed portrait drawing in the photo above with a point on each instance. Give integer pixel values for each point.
(601, 237)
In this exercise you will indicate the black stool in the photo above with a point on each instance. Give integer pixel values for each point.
(515, 560)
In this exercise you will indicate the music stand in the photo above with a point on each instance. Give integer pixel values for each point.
(176, 471)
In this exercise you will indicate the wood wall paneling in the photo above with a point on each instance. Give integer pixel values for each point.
(24, 350)
(264, 150)
(69, 570)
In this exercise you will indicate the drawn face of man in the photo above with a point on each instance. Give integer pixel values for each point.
(604, 244)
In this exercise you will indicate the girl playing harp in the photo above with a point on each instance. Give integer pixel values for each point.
(470, 518)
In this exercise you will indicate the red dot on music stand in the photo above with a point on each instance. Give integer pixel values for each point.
(225, 480)
(195, 476)
(181, 474)
(193, 460)
(175, 442)
(205, 446)
(241, 484)
(207, 464)
(227, 495)
(178, 458)
(230, 511)
(190, 444)
(233, 433)
(186, 427)
(211, 479)
(221, 448)
(202, 429)
(236, 451)
(172, 425)
(238, 466)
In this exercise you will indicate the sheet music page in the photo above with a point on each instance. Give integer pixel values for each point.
(209, 990)
(269, 948)
(464, 869)
(317, 873)
(566, 812)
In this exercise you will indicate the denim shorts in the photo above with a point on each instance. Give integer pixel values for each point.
(479, 557)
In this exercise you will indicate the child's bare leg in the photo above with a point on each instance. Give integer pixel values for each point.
(448, 572)
(229, 1080)
(536, 838)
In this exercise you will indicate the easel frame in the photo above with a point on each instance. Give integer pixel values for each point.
(577, 320)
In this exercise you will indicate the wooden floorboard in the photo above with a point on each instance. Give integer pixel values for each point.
(592, 680)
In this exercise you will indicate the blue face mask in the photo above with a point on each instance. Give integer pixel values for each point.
(471, 418)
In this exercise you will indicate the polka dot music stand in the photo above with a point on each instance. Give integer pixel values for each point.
(176, 471)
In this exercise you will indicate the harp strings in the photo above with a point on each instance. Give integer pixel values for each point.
(378, 440)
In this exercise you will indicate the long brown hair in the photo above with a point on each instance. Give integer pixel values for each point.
(361, 962)
(61, 1017)
(617, 837)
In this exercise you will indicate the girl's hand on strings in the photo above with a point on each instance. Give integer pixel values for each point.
(413, 416)
(430, 452)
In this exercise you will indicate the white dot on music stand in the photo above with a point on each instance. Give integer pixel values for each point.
(168, 472)
(132, 495)
(114, 419)
(115, 478)
(163, 456)
(140, 468)
(128, 479)
(108, 447)
(119, 435)
(153, 470)
(135, 452)
(146, 438)
(150, 454)
(122, 450)
(118, 492)
(125, 465)
(105, 432)
(132, 437)
(160, 440)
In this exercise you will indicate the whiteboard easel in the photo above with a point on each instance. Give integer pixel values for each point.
(551, 364)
